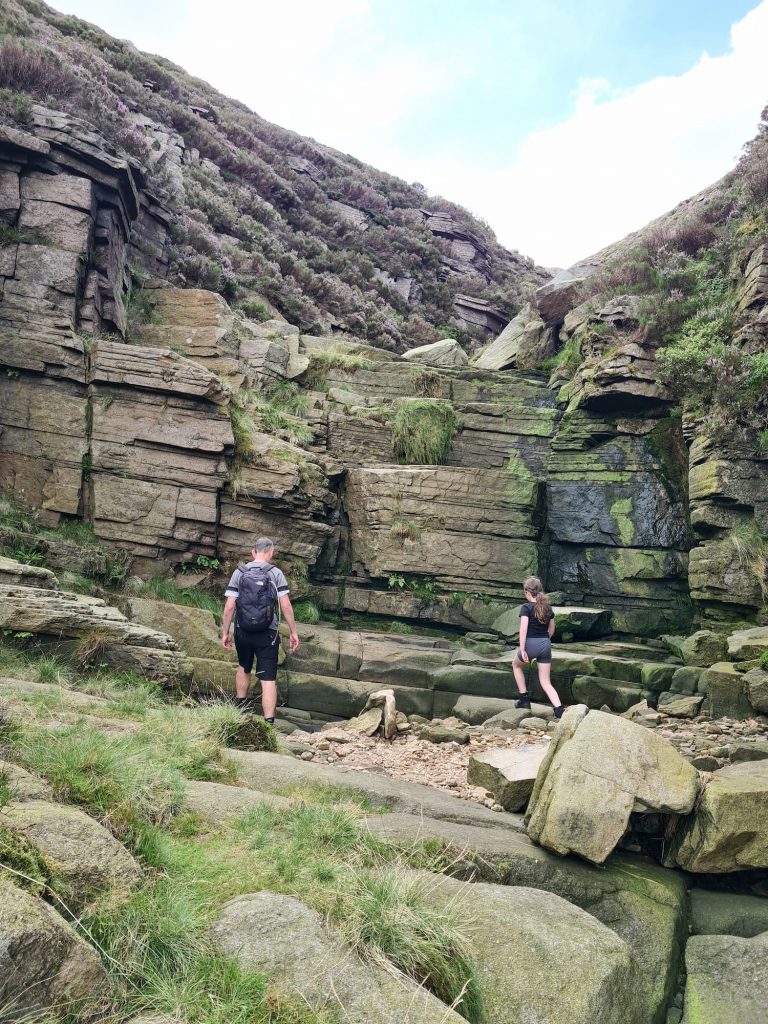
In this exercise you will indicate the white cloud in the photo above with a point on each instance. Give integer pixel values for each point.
(621, 159)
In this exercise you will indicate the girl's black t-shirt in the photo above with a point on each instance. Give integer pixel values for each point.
(536, 629)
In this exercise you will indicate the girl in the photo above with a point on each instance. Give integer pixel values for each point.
(537, 624)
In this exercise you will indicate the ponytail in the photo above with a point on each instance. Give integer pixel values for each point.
(542, 606)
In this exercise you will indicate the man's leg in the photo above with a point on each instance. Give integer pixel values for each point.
(242, 682)
(268, 697)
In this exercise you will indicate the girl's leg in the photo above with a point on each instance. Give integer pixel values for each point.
(546, 684)
(519, 673)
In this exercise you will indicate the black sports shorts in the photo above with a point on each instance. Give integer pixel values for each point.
(538, 648)
(261, 647)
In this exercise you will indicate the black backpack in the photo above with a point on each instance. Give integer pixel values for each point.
(255, 599)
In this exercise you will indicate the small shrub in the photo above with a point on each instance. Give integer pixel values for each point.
(35, 71)
(423, 431)
(306, 611)
(403, 530)
(255, 309)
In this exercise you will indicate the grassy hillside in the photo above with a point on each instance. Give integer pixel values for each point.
(270, 219)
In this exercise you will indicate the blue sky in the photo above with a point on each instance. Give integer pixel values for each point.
(564, 125)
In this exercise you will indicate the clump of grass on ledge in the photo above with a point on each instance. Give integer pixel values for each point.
(335, 357)
(275, 411)
(306, 611)
(163, 589)
(423, 430)
(764, 660)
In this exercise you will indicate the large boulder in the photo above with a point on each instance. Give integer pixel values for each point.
(23, 785)
(756, 681)
(195, 630)
(726, 980)
(523, 940)
(726, 692)
(43, 961)
(643, 903)
(446, 352)
(597, 771)
(280, 936)
(745, 644)
(729, 831)
(728, 913)
(76, 848)
(508, 773)
(703, 648)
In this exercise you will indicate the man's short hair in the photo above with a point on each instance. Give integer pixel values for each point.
(264, 544)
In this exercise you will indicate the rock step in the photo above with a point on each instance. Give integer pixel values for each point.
(642, 902)
(272, 772)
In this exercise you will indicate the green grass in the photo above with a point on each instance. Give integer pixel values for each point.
(323, 360)
(390, 917)
(51, 669)
(306, 611)
(423, 431)
(160, 588)
(276, 411)
(764, 660)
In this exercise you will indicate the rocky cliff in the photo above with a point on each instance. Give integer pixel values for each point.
(420, 487)
(275, 222)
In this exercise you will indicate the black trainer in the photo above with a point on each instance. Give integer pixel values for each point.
(523, 701)
(559, 711)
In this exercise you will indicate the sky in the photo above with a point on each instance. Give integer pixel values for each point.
(565, 124)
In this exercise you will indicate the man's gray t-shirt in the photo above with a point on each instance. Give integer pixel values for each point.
(276, 575)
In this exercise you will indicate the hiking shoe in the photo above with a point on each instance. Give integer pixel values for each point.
(524, 701)
(559, 711)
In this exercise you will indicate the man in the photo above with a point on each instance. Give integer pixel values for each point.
(252, 592)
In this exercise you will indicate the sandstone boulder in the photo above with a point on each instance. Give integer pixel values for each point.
(703, 648)
(643, 903)
(23, 785)
(43, 961)
(518, 934)
(727, 913)
(597, 771)
(19, 573)
(729, 830)
(726, 979)
(78, 849)
(508, 773)
(756, 681)
(677, 706)
(218, 802)
(447, 352)
(726, 692)
(745, 644)
(280, 936)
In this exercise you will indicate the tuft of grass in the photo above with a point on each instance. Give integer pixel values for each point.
(335, 357)
(275, 411)
(91, 648)
(763, 660)
(751, 546)
(51, 669)
(163, 589)
(402, 530)
(120, 780)
(403, 628)
(390, 917)
(306, 611)
(168, 967)
(423, 431)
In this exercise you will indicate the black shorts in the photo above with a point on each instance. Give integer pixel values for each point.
(262, 647)
(538, 648)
